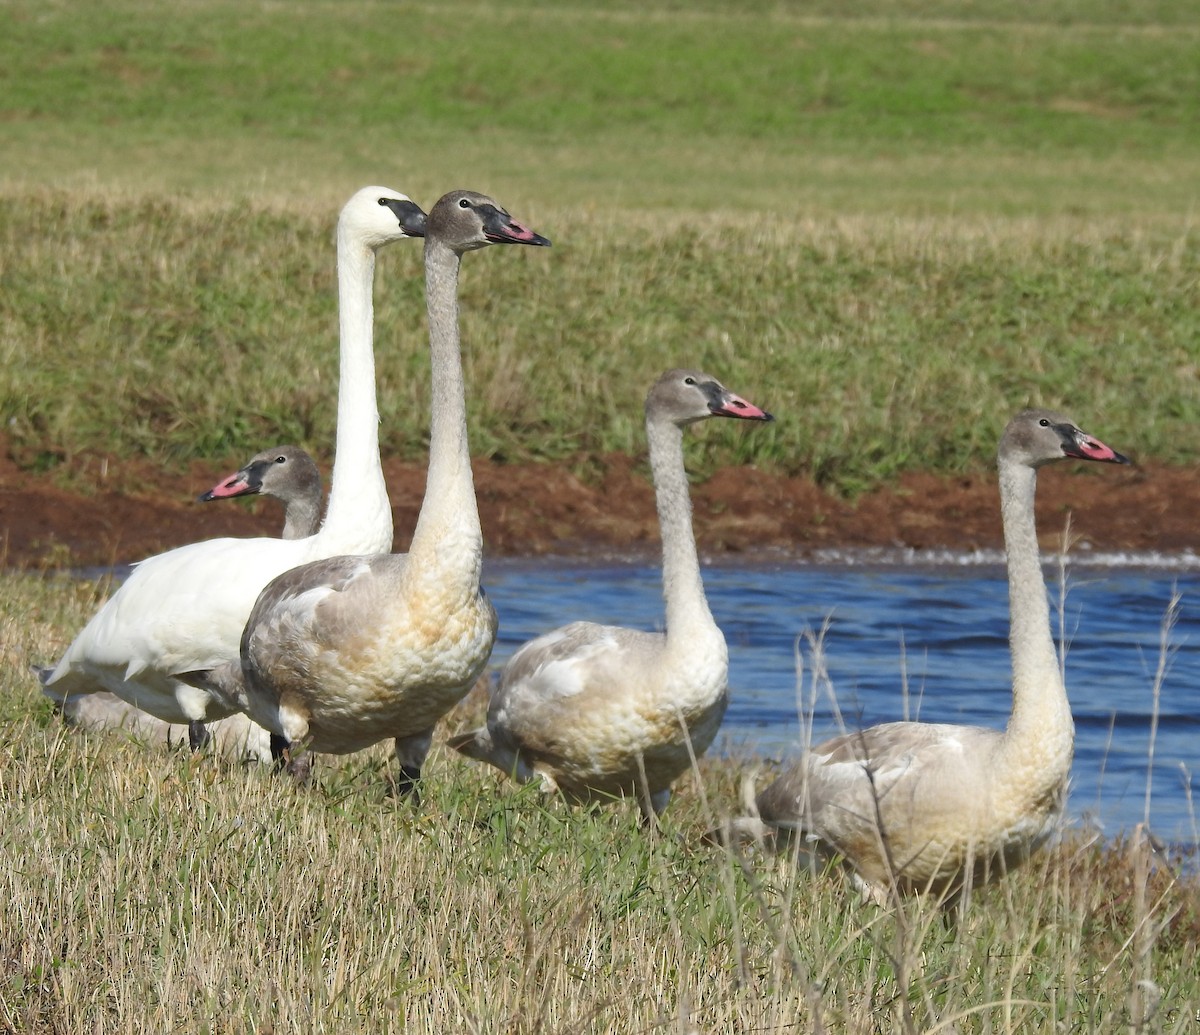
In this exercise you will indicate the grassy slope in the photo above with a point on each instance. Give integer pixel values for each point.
(893, 229)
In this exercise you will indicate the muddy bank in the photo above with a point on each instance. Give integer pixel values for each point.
(119, 512)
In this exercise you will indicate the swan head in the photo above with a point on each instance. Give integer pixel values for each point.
(1038, 437)
(380, 215)
(686, 396)
(284, 473)
(465, 220)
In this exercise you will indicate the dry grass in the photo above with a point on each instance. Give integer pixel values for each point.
(152, 891)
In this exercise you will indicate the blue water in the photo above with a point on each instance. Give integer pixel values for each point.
(925, 641)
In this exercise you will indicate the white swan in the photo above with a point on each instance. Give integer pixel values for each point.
(185, 609)
(597, 711)
(343, 653)
(287, 474)
(924, 807)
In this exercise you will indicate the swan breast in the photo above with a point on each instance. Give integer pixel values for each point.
(340, 640)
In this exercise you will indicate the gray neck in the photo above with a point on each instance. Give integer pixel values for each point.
(1039, 696)
(448, 512)
(358, 486)
(688, 615)
(301, 517)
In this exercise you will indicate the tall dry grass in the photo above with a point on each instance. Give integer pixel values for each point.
(146, 890)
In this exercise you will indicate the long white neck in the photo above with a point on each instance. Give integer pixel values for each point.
(448, 533)
(359, 515)
(688, 616)
(1040, 729)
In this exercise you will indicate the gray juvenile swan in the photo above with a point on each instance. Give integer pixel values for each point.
(287, 474)
(343, 653)
(184, 610)
(920, 807)
(597, 711)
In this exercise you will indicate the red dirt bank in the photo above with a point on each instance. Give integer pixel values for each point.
(127, 510)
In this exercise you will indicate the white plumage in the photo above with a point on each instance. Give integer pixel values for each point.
(285, 473)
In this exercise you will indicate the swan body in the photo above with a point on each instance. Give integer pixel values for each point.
(923, 807)
(599, 711)
(287, 474)
(344, 652)
(185, 609)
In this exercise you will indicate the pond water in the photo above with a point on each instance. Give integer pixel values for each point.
(925, 636)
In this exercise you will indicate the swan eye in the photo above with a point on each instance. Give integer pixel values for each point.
(1044, 423)
(689, 380)
(463, 203)
(281, 459)
(383, 201)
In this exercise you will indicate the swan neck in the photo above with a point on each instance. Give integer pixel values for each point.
(1040, 709)
(688, 615)
(301, 518)
(448, 513)
(358, 494)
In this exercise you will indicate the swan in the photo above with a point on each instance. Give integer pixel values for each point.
(287, 474)
(916, 807)
(598, 711)
(342, 653)
(185, 609)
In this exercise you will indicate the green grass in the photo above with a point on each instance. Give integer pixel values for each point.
(148, 890)
(174, 331)
(628, 105)
(893, 225)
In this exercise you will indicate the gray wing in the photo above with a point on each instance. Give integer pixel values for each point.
(852, 772)
(582, 657)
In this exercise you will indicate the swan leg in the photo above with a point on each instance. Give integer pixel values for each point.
(198, 735)
(410, 756)
(652, 806)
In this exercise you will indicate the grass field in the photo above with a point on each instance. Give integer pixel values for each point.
(891, 223)
(147, 890)
(894, 228)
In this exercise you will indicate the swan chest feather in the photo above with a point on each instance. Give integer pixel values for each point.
(363, 665)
